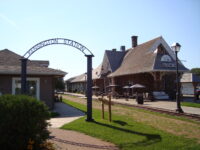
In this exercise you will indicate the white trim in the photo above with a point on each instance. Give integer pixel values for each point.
(28, 79)
(167, 48)
(165, 45)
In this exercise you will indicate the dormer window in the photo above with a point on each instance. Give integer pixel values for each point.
(160, 50)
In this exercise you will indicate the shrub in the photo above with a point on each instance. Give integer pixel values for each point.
(54, 114)
(22, 119)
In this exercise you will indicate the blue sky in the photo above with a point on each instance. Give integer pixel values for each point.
(99, 25)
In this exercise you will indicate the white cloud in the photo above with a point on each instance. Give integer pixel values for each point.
(8, 20)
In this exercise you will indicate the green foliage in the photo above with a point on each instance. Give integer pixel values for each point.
(128, 134)
(196, 71)
(60, 84)
(54, 114)
(190, 104)
(23, 122)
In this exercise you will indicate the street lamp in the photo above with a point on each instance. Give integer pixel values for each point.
(176, 48)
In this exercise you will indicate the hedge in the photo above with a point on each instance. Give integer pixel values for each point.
(23, 122)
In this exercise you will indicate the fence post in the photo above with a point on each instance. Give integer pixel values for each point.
(109, 108)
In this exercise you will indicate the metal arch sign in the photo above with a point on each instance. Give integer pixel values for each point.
(68, 42)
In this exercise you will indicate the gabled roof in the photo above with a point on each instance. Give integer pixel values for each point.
(9, 58)
(145, 58)
(96, 73)
(115, 58)
(79, 78)
(10, 64)
(166, 62)
(69, 80)
(83, 77)
(111, 61)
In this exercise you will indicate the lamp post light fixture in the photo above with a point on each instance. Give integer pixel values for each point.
(176, 48)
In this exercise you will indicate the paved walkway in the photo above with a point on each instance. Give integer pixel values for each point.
(72, 140)
(169, 105)
(67, 114)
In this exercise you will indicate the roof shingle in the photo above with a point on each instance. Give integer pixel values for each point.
(10, 64)
(142, 59)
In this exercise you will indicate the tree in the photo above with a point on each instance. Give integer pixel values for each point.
(196, 71)
(60, 84)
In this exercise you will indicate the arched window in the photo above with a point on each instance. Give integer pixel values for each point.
(166, 58)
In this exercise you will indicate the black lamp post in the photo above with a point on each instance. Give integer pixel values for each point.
(176, 47)
(85, 84)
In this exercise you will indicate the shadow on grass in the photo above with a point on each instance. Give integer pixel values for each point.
(150, 138)
(122, 123)
(84, 111)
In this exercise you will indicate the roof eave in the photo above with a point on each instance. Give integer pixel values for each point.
(37, 73)
(110, 76)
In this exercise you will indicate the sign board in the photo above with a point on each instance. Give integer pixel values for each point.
(187, 89)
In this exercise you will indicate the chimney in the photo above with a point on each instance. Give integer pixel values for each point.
(123, 48)
(134, 41)
(114, 49)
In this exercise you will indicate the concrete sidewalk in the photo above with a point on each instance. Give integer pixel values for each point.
(167, 104)
(72, 140)
(67, 114)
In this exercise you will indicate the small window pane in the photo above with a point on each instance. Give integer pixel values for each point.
(31, 88)
(17, 87)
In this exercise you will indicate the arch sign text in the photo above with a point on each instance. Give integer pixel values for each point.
(68, 42)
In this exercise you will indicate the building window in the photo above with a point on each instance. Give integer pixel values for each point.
(33, 87)
(166, 58)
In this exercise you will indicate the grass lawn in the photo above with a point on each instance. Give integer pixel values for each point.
(190, 104)
(129, 133)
